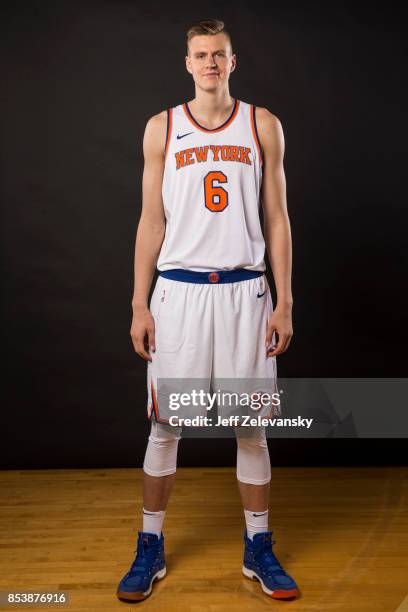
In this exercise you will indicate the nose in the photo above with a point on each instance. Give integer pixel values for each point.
(211, 63)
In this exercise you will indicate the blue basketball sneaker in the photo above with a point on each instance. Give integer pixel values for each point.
(148, 566)
(261, 564)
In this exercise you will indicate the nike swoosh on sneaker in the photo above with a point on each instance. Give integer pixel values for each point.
(182, 136)
(260, 294)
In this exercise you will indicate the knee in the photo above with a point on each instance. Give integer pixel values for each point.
(161, 452)
(253, 461)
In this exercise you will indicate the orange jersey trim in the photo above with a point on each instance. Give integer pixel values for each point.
(218, 129)
(154, 407)
(168, 131)
(255, 133)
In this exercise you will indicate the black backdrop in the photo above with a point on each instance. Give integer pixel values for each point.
(80, 81)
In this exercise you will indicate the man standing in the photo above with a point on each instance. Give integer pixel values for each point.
(209, 164)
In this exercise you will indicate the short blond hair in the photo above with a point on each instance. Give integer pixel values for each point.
(207, 27)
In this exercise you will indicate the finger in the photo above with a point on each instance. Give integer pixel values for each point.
(140, 349)
(283, 341)
(272, 352)
(151, 338)
(269, 334)
(146, 346)
(143, 353)
(286, 344)
(271, 338)
(280, 348)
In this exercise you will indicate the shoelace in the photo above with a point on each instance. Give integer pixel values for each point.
(265, 554)
(145, 555)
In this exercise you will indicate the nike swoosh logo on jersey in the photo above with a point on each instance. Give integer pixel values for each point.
(260, 294)
(182, 136)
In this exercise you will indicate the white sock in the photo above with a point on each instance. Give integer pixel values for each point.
(256, 522)
(153, 521)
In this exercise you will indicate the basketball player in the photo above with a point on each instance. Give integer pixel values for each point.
(209, 163)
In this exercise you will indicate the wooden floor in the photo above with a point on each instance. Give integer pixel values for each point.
(341, 532)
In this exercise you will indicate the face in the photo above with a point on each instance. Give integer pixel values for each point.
(210, 61)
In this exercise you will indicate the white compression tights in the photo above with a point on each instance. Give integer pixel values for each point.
(253, 462)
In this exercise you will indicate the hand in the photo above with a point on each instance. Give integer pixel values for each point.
(281, 323)
(143, 332)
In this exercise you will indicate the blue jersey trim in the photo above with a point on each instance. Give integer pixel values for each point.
(213, 277)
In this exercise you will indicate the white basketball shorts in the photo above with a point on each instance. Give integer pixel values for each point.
(211, 330)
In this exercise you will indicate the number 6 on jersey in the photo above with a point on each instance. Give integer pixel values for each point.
(212, 191)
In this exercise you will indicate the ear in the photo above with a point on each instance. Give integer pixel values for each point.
(188, 65)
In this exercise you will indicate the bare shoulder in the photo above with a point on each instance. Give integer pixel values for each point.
(267, 121)
(157, 122)
(269, 129)
(155, 134)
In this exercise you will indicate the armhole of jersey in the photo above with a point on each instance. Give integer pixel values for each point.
(255, 133)
(168, 131)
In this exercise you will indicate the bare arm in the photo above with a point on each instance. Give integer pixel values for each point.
(276, 226)
(150, 234)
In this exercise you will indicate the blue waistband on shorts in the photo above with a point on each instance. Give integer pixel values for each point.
(210, 277)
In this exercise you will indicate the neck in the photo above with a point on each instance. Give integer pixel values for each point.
(211, 104)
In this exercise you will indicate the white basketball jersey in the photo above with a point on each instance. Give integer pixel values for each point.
(211, 193)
